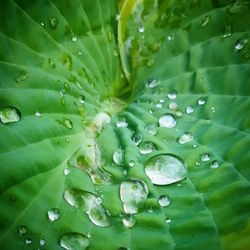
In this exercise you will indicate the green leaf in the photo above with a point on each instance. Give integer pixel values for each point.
(124, 124)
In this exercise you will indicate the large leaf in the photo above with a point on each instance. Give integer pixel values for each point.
(124, 125)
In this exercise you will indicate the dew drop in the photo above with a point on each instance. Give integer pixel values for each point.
(165, 169)
(168, 220)
(167, 121)
(172, 105)
(151, 128)
(133, 194)
(205, 21)
(185, 138)
(28, 241)
(74, 39)
(9, 115)
(131, 163)
(172, 95)
(54, 214)
(66, 171)
(129, 220)
(158, 105)
(53, 22)
(240, 44)
(42, 242)
(118, 156)
(214, 164)
(67, 123)
(141, 29)
(189, 109)
(147, 147)
(121, 123)
(152, 83)
(227, 32)
(164, 201)
(22, 230)
(201, 101)
(205, 157)
(136, 138)
(38, 114)
(73, 241)
(81, 99)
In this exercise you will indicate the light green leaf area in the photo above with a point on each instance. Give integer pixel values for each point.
(124, 124)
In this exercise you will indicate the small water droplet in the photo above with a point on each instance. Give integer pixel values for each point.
(167, 121)
(240, 44)
(66, 171)
(42, 24)
(201, 101)
(118, 156)
(53, 22)
(173, 105)
(67, 123)
(158, 105)
(170, 37)
(22, 230)
(136, 138)
(129, 220)
(205, 21)
(121, 123)
(205, 157)
(152, 83)
(147, 147)
(141, 29)
(150, 209)
(189, 109)
(38, 114)
(131, 163)
(165, 169)
(73, 241)
(214, 164)
(81, 99)
(164, 200)
(42, 242)
(133, 194)
(151, 128)
(168, 220)
(227, 32)
(185, 138)
(9, 115)
(53, 214)
(172, 95)
(74, 39)
(28, 241)
(117, 17)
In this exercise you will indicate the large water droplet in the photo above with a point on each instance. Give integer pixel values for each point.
(74, 241)
(151, 128)
(205, 21)
(165, 169)
(53, 22)
(205, 157)
(147, 147)
(90, 204)
(118, 156)
(9, 114)
(167, 121)
(22, 230)
(121, 123)
(129, 220)
(185, 138)
(53, 214)
(240, 44)
(133, 194)
(136, 138)
(164, 200)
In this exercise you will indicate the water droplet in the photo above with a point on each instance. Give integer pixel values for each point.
(129, 220)
(118, 156)
(152, 83)
(42, 24)
(205, 21)
(136, 138)
(53, 22)
(90, 203)
(214, 164)
(28, 241)
(131, 163)
(73, 241)
(167, 121)
(133, 194)
(205, 157)
(172, 95)
(74, 39)
(240, 44)
(151, 128)
(66, 171)
(164, 200)
(213, 109)
(121, 123)
(21, 76)
(201, 101)
(150, 209)
(67, 123)
(173, 105)
(141, 29)
(22, 230)
(170, 37)
(158, 105)
(185, 138)
(42, 242)
(168, 220)
(189, 109)
(147, 147)
(38, 114)
(81, 99)
(53, 214)
(9, 114)
(165, 169)
(227, 32)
